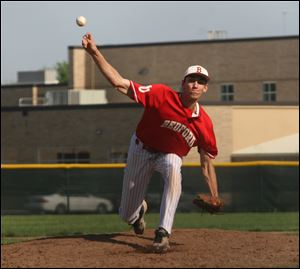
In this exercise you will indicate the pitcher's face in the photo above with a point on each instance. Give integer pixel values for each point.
(194, 86)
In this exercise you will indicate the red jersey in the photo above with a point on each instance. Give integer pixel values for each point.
(169, 127)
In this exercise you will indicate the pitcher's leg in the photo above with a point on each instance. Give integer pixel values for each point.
(136, 178)
(170, 168)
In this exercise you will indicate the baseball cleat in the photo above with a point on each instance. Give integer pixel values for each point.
(161, 241)
(139, 225)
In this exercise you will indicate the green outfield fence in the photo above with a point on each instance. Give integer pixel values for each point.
(262, 186)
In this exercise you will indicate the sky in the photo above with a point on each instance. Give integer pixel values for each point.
(36, 34)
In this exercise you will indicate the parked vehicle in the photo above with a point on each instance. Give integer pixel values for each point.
(65, 201)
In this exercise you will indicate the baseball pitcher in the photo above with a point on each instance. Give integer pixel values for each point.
(171, 125)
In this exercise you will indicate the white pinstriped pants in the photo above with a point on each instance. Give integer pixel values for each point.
(140, 166)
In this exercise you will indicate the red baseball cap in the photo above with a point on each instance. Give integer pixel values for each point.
(197, 69)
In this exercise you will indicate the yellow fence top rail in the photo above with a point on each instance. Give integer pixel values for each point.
(61, 166)
(122, 165)
(252, 163)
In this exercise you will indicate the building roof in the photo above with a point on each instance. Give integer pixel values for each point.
(187, 42)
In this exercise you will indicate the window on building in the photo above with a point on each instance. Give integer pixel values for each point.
(227, 92)
(79, 157)
(269, 91)
(83, 157)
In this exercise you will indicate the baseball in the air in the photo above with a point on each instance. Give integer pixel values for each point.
(81, 21)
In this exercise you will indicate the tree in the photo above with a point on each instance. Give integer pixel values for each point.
(62, 69)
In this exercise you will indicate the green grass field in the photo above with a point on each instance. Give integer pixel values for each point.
(22, 228)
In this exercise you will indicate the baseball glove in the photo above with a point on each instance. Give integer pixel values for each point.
(208, 203)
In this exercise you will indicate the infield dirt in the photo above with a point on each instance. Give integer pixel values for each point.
(190, 248)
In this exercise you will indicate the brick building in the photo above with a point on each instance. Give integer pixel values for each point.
(242, 70)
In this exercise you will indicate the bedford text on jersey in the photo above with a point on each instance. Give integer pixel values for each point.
(182, 129)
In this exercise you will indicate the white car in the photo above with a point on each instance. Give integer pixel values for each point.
(68, 201)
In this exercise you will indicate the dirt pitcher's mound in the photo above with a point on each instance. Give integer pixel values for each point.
(189, 248)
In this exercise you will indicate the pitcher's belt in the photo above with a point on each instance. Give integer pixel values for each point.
(149, 149)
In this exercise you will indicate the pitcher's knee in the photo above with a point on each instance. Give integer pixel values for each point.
(176, 188)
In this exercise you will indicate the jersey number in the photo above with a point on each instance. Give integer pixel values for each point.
(144, 89)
